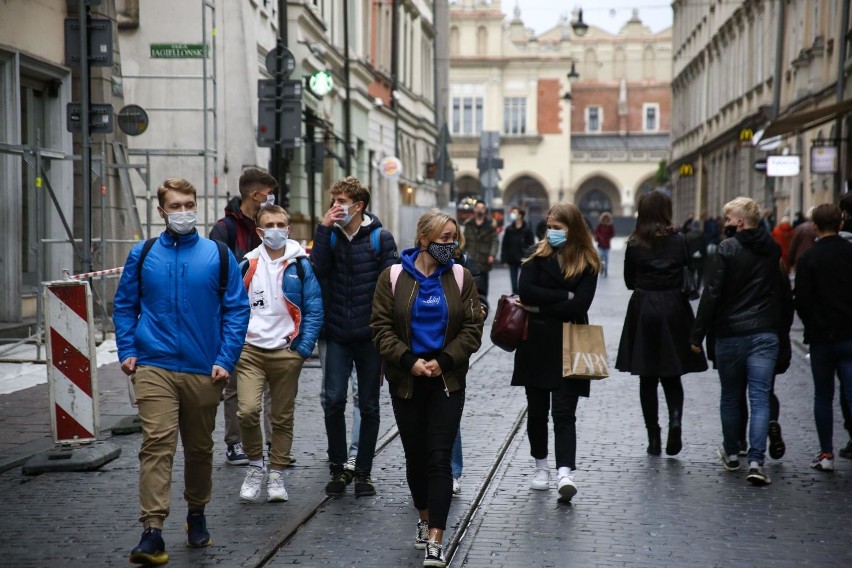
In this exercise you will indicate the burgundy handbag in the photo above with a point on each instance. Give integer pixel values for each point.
(510, 323)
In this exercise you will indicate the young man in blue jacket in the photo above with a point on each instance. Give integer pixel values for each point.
(286, 318)
(180, 331)
(350, 251)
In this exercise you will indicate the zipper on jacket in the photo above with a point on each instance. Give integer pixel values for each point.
(444, 344)
(446, 390)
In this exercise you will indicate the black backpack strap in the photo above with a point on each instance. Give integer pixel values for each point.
(300, 269)
(223, 268)
(146, 248)
(231, 226)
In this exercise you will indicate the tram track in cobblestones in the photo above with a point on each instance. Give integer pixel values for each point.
(461, 530)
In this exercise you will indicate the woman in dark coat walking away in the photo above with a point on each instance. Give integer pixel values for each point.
(655, 338)
(557, 285)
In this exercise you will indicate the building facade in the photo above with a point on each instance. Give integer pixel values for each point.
(581, 118)
(755, 79)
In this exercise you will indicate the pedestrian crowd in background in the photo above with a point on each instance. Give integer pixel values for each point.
(235, 317)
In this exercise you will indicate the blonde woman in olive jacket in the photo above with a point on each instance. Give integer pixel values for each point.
(426, 323)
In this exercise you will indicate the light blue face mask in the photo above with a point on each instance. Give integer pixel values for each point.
(556, 238)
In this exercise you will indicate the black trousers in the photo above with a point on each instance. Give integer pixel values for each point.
(673, 389)
(564, 409)
(428, 423)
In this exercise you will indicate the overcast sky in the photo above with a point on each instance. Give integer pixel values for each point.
(611, 15)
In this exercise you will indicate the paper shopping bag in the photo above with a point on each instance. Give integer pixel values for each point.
(583, 352)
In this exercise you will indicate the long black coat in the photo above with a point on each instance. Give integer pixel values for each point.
(538, 360)
(655, 337)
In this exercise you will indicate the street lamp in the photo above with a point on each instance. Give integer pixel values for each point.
(579, 26)
(572, 74)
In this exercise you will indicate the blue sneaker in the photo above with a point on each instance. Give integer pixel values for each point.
(151, 549)
(197, 535)
(236, 455)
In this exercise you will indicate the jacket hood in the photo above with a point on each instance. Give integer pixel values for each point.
(291, 250)
(410, 255)
(758, 240)
(233, 207)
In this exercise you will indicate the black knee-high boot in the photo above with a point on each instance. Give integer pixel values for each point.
(674, 443)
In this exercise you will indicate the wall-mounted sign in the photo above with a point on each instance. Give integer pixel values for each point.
(390, 167)
(823, 159)
(686, 170)
(783, 166)
(133, 120)
(177, 51)
(746, 135)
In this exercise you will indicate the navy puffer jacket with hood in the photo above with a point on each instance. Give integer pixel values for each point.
(348, 274)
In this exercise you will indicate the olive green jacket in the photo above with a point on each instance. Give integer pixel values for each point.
(391, 327)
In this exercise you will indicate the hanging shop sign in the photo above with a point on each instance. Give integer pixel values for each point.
(824, 159)
(783, 166)
(390, 167)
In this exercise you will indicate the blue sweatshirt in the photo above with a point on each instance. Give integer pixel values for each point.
(429, 311)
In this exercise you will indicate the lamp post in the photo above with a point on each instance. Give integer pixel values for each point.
(579, 26)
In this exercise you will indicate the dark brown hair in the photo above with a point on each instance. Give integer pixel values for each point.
(827, 217)
(353, 188)
(653, 218)
(254, 178)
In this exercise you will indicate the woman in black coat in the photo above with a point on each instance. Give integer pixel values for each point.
(655, 338)
(557, 285)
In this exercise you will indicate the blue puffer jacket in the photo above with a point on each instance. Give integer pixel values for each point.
(303, 299)
(348, 275)
(180, 324)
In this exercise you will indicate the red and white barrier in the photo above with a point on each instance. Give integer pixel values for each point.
(95, 274)
(71, 361)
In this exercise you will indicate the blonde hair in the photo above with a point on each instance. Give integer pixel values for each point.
(578, 253)
(271, 210)
(432, 223)
(179, 185)
(746, 208)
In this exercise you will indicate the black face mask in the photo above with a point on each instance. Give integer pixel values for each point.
(730, 230)
(441, 252)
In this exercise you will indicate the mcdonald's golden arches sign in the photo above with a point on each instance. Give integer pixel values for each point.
(686, 170)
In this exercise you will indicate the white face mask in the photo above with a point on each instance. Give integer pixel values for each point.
(346, 220)
(275, 238)
(270, 200)
(182, 222)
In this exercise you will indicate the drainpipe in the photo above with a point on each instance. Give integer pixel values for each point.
(347, 104)
(842, 143)
(395, 73)
(779, 56)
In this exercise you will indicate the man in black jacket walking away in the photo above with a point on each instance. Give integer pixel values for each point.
(517, 238)
(747, 301)
(480, 238)
(350, 251)
(823, 281)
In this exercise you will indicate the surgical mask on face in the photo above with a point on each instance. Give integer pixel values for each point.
(275, 238)
(270, 200)
(345, 221)
(556, 238)
(730, 231)
(512, 217)
(442, 252)
(182, 222)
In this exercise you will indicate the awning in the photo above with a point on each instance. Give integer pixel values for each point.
(807, 119)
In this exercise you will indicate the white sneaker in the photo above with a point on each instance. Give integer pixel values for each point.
(456, 486)
(350, 464)
(567, 488)
(540, 480)
(252, 484)
(275, 491)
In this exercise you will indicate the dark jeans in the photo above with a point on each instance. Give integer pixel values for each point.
(826, 360)
(774, 409)
(748, 360)
(514, 273)
(428, 423)
(673, 389)
(482, 285)
(339, 358)
(564, 424)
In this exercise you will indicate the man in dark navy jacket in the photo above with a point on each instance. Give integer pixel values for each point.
(350, 251)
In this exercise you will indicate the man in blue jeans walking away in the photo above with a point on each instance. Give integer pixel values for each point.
(350, 251)
(823, 281)
(746, 304)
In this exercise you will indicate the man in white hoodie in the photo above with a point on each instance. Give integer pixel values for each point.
(286, 318)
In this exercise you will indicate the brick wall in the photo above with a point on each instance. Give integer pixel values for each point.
(605, 95)
(549, 107)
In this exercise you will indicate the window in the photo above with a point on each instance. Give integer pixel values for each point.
(650, 117)
(515, 115)
(467, 115)
(593, 119)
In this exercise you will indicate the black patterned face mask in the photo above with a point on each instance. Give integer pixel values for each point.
(441, 252)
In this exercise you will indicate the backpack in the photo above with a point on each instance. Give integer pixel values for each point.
(249, 266)
(223, 264)
(396, 269)
(375, 241)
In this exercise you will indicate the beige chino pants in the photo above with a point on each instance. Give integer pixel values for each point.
(280, 369)
(169, 403)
